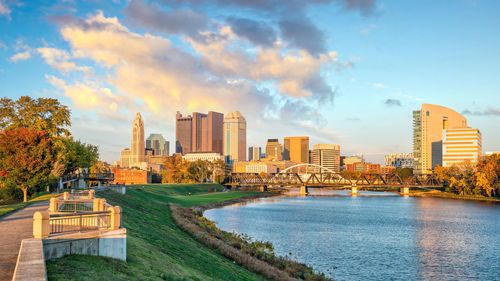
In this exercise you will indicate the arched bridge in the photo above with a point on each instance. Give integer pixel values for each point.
(310, 176)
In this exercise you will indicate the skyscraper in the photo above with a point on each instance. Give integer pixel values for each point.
(137, 151)
(326, 155)
(428, 126)
(274, 150)
(254, 153)
(235, 137)
(199, 132)
(158, 144)
(296, 149)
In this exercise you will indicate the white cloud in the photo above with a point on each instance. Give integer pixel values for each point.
(21, 56)
(380, 86)
(59, 59)
(4, 10)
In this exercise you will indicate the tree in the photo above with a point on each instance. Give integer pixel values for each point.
(42, 114)
(72, 155)
(200, 170)
(404, 173)
(26, 158)
(176, 170)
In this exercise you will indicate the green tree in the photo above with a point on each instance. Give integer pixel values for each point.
(404, 173)
(72, 155)
(200, 170)
(176, 170)
(42, 114)
(26, 158)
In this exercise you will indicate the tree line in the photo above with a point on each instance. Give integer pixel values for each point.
(179, 170)
(472, 179)
(36, 146)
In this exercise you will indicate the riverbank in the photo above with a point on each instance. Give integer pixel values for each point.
(157, 249)
(441, 194)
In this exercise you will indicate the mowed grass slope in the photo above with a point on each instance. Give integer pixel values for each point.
(157, 249)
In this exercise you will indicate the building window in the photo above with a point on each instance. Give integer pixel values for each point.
(427, 113)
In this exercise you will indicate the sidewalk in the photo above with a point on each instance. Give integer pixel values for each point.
(15, 227)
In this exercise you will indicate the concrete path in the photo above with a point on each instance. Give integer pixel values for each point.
(15, 227)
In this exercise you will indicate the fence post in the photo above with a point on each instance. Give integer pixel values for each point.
(115, 217)
(91, 194)
(53, 205)
(41, 225)
(66, 195)
(98, 205)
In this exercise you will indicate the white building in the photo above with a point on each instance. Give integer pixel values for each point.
(209, 156)
(261, 167)
(399, 160)
(461, 146)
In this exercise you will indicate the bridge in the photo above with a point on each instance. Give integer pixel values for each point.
(308, 176)
(82, 177)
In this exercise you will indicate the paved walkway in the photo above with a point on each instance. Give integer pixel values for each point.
(15, 227)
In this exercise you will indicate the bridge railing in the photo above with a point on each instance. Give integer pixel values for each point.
(69, 223)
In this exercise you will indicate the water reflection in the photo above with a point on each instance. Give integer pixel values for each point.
(375, 236)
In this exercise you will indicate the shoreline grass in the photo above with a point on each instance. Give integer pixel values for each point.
(157, 249)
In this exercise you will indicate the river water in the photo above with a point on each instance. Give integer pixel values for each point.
(375, 236)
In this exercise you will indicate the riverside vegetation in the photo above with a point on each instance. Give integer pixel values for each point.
(157, 249)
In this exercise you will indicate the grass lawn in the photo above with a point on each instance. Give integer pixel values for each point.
(5, 209)
(157, 249)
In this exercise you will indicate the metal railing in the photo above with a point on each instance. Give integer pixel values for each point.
(75, 206)
(67, 223)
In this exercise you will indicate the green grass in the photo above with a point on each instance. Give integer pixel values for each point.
(5, 209)
(157, 249)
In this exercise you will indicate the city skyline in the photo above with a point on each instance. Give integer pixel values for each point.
(360, 72)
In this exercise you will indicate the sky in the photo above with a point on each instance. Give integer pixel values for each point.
(346, 72)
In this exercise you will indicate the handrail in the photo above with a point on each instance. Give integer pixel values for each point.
(78, 214)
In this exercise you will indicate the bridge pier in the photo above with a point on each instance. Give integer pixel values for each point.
(304, 190)
(354, 190)
(405, 191)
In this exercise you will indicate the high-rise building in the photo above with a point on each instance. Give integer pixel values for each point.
(274, 150)
(296, 149)
(461, 146)
(399, 160)
(199, 132)
(137, 151)
(158, 144)
(254, 153)
(428, 126)
(326, 155)
(235, 137)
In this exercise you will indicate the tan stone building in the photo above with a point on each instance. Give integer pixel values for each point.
(326, 155)
(296, 149)
(428, 126)
(235, 137)
(138, 146)
(274, 150)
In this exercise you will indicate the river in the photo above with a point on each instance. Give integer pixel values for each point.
(375, 236)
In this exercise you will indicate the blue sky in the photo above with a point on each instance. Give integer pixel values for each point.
(340, 71)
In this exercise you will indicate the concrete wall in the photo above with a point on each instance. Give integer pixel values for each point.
(111, 244)
(30, 261)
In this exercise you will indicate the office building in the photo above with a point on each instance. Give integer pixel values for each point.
(326, 155)
(345, 160)
(199, 132)
(461, 146)
(296, 149)
(274, 150)
(235, 137)
(125, 158)
(260, 167)
(428, 126)
(158, 144)
(254, 153)
(399, 160)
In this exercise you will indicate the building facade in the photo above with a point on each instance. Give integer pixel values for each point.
(399, 160)
(428, 126)
(260, 167)
(296, 149)
(131, 176)
(125, 158)
(235, 137)
(350, 160)
(199, 132)
(326, 155)
(208, 156)
(461, 146)
(274, 150)
(158, 144)
(363, 167)
(254, 153)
